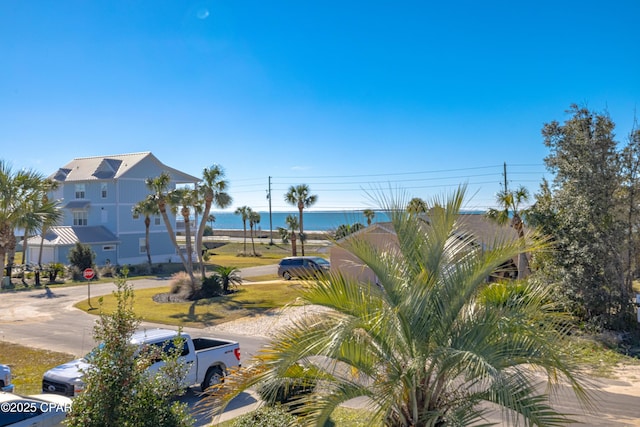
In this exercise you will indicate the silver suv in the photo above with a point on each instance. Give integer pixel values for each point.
(302, 267)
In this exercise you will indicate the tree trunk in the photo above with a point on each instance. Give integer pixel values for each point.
(200, 233)
(294, 251)
(147, 224)
(300, 208)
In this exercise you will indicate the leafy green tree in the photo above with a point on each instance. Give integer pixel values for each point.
(213, 189)
(512, 213)
(244, 212)
(299, 195)
(369, 214)
(118, 389)
(581, 213)
(146, 208)
(346, 229)
(430, 345)
(81, 257)
(417, 206)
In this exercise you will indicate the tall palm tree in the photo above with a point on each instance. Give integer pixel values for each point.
(292, 224)
(53, 217)
(184, 200)
(431, 344)
(511, 213)
(213, 189)
(41, 215)
(299, 196)
(368, 214)
(254, 220)
(19, 193)
(146, 208)
(244, 212)
(160, 186)
(417, 206)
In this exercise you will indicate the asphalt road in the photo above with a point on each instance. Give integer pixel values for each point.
(48, 320)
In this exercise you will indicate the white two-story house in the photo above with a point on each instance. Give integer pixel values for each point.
(97, 195)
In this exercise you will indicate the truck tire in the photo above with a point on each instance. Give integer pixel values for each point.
(286, 275)
(214, 376)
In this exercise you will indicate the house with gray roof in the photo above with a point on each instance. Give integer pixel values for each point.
(484, 233)
(97, 195)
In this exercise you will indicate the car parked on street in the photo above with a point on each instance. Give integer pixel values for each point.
(303, 267)
(39, 410)
(5, 379)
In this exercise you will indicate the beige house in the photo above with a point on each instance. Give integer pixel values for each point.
(485, 233)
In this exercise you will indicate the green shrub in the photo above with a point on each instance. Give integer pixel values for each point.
(211, 287)
(266, 416)
(81, 256)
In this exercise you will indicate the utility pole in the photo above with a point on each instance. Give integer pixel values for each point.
(270, 219)
(505, 178)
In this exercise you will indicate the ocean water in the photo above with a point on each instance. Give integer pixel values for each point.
(313, 221)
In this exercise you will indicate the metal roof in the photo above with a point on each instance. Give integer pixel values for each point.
(70, 235)
(77, 204)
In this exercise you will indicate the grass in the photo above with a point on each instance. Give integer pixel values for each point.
(341, 417)
(28, 365)
(247, 301)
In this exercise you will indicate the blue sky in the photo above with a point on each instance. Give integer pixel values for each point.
(343, 96)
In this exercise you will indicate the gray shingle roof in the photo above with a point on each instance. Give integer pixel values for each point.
(112, 167)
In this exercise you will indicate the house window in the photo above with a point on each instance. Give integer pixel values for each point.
(143, 246)
(80, 217)
(80, 191)
(108, 248)
(103, 190)
(156, 220)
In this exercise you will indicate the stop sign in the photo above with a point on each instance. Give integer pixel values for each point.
(88, 273)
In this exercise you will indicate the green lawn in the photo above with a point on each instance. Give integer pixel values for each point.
(28, 365)
(248, 300)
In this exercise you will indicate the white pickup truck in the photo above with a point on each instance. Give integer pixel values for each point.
(208, 359)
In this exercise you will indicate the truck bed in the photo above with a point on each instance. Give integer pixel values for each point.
(208, 343)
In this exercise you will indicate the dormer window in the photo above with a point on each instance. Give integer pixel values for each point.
(80, 191)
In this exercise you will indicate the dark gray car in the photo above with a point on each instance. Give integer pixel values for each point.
(303, 267)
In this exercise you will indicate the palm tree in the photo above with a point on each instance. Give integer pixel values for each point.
(299, 196)
(186, 199)
(431, 344)
(368, 214)
(228, 275)
(19, 193)
(417, 206)
(146, 208)
(292, 223)
(244, 212)
(41, 215)
(254, 220)
(213, 190)
(512, 214)
(159, 186)
(52, 218)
